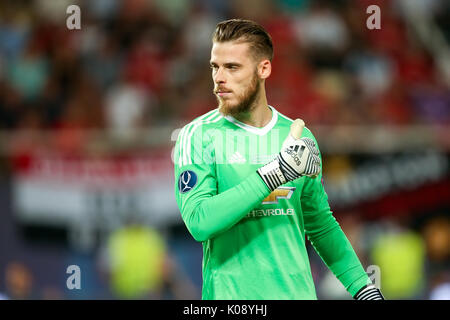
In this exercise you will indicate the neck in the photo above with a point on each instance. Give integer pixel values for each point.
(259, 115)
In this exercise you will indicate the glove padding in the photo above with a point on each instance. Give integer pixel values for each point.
(298, 157)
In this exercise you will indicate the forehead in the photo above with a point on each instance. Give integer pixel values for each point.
(223, 52)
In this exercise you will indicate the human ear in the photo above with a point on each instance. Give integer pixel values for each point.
(264, 69)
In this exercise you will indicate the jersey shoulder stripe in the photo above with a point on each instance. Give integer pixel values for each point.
(187, 132)
(183, 130)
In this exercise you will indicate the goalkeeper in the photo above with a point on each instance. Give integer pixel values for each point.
(248, 185)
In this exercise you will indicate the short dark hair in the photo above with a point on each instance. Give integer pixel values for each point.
(245, 31)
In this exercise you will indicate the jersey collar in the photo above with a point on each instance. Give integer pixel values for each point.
(259, 131)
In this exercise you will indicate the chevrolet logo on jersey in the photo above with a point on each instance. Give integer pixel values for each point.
(270, 213)
(279, 193)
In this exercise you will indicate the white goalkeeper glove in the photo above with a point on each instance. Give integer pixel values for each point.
(298, 157)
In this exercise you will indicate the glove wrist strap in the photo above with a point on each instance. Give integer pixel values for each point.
(369, 292)
(272, 175)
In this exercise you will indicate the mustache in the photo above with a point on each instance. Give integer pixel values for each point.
(217, 90)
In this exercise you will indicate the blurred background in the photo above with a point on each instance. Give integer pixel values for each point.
(89, 117)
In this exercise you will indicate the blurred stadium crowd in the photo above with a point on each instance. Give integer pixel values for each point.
(138, 64)
(152, 57)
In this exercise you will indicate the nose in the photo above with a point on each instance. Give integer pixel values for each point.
(219, 76)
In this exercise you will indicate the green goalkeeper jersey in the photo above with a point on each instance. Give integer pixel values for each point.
(253, 239)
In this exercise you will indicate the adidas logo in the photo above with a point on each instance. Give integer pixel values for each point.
(236, 158)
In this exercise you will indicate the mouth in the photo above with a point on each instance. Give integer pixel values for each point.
(223, 93)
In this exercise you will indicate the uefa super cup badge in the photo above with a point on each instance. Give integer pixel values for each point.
(187, 181)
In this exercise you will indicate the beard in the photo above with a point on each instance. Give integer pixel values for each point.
(246, 101)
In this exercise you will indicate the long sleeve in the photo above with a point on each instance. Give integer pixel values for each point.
(205, 212)
(328, 239)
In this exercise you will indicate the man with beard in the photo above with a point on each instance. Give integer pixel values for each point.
(250, 204)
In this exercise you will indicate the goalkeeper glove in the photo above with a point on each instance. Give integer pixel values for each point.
(369, 292)
(298, 157)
